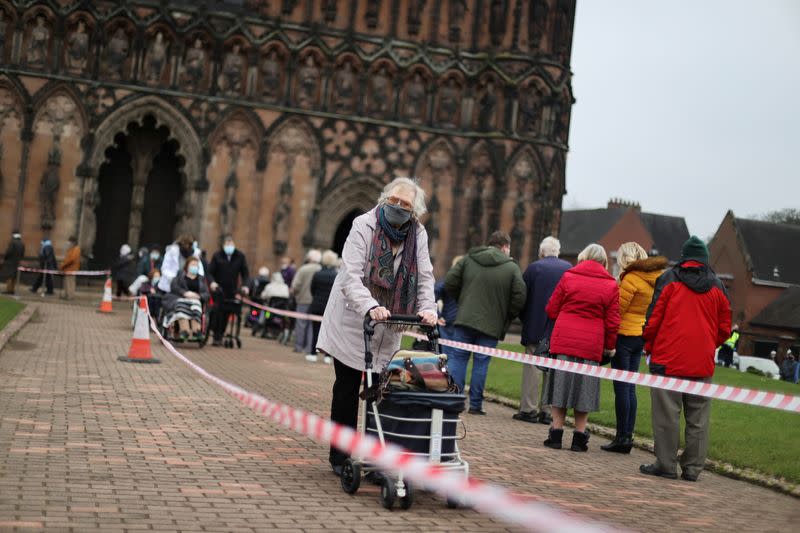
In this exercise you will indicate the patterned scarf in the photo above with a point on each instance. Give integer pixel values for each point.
(396, 292)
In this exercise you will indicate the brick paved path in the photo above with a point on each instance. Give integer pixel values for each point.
(90, 443)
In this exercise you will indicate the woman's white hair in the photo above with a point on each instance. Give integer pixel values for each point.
(313, 256)
(594, 252)
(549, 247)
(407, 183)
(330, 258)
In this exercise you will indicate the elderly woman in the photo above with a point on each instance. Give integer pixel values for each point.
(183, 306)
(385, 270)
(320, 288)
(637, 281)
(585, 308)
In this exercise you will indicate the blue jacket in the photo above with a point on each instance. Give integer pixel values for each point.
(541, 278)
(450, 307)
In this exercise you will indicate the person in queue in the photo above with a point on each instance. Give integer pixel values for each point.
(183, 306)
(228, 274)
(11, 259)
(320, 287)
(585, 308)
(47, 261)
(637, 281)
(175, 257)
(149, 261)
(123, 272)
(385, 270)
(71, 263)
(301, 291)
(541, 278)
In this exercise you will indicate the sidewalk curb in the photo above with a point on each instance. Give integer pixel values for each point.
(19, 321)
(719, 467)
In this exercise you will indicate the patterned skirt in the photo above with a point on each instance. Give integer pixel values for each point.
(568, 390)
(184, 308)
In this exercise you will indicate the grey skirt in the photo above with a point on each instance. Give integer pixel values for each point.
(568, 390)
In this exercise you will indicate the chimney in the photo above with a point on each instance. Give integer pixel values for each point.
(619, 203)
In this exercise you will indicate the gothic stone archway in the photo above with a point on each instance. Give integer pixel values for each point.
(187, 149)
(338, 203)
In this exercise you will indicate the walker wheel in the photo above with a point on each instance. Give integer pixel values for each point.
(238, 343)
(388, 492)
(351, 476)
(408, 500)
(452, 503)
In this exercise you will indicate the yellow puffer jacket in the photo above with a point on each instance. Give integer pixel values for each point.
(636, 286)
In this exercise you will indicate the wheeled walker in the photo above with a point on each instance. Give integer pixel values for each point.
(424, 423)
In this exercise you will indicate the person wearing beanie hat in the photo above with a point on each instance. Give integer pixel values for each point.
(689, 316)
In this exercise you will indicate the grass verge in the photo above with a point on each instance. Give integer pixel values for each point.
(8, 310)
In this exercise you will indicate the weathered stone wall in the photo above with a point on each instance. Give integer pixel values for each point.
(289, 115)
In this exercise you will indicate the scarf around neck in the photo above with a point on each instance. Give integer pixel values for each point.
(396, 292)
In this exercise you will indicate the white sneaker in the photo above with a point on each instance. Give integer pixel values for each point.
(328, 359)
(311, 358)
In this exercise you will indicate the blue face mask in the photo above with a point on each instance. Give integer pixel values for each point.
(155, 256)
(194, 270)
(156, 279)
(229, 248)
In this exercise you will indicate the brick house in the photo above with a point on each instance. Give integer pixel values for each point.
(621, 222)
(760, 265)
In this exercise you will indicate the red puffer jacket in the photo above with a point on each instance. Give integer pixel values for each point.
(585, 307)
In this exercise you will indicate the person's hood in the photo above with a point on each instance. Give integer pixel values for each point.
(591, 269)
(695, 275)
(488, 256)
(647, 269)
(277, 277)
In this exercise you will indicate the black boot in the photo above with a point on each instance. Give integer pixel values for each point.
(620, 444)
(611, 446)
(554, 438)
(580, 441)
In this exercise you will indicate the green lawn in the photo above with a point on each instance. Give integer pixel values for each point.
(745, 436)
(8, 310)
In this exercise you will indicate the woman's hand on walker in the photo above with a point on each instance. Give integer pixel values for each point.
(379, 313)
(428, 318)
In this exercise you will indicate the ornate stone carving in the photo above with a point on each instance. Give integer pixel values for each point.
(230, 78)
(402, 147)
(537, 22)
(457, 9)
(380, 92)
(487, 107)
(414, 107)
(373, 10)
(59, 118)
(308, 82)
(529, 117)
(90, 201)
(237, 135)
(3, 33)
(48, 190)
(449, 103)
(415, 9)
(497, 21)
(329, 10)
(39, 43)
(345, 88)
(77, 53)
(10, 111)
(117, 54)
(272, 77)
(156, 59)
(195, 66)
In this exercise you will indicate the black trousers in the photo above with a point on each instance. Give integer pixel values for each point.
(726, 355)
(344, 404)
(315, 327)
(218, 320)
(47, 279)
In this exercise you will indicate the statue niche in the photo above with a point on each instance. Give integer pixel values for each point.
(39, 43)
(116, 54)
(230, 78)
(449, 103)
(380, 91)
(414, 106)
(195, 65)
(77, 52)
(156, 59)
(308, 82)
(48, 190)
(272, 77)
(3, 34)
(345, 88)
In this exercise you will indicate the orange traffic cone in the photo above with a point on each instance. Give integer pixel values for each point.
(105, 305)
(139, 351)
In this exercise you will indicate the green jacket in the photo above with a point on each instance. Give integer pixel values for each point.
(489, 289)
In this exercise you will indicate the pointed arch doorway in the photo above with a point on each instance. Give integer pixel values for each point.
(343, 230)
(342, 202)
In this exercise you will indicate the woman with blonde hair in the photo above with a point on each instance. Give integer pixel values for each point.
(637, 280)
(585, 308)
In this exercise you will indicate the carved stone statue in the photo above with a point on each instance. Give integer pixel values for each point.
(308, 83)
(117, 53)
(283, 210)
(530, 110)
(78, 49)
(487, 108)
(38, 45)
(230, 79)
(271, 72)
(449, 101)
(371, 16)
(3, 33)
(456, 11)
(380, 87)
(415, 9)
(229, 204)
(156, 59)
(415, 98)
(48, 190)
(345, 88)
(90, 202)
(195, 65)
(537, 22)
(497, 21)
(329, 9)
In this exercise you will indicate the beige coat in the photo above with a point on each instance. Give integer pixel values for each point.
(342, 331)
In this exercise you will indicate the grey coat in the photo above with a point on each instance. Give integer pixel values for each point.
(342, 331)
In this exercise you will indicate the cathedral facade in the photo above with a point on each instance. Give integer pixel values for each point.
(279, 121)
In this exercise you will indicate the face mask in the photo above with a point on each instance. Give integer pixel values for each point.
(156, 279)
(229, 248)
(186, 252)
(396, 215)
(194, 270)
(155, 256)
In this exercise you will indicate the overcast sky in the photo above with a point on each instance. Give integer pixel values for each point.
(689, 107)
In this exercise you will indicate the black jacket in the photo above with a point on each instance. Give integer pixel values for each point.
(14, 254)
(321, 285)
(124, 269)
(179, 286)
(228, 274)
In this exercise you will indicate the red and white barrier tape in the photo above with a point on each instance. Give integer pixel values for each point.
(772, 400)
(66, 273)
(284, 312)
(490, 499)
